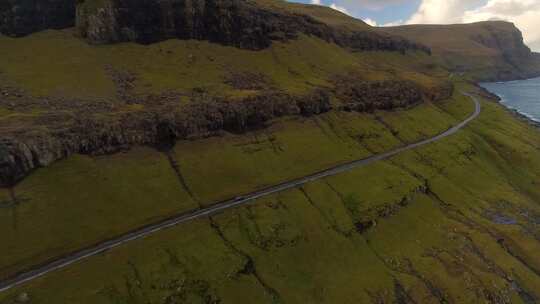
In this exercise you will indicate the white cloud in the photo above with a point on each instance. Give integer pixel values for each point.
(358, 5)
(439, 11)
(370, 22)
(339, 8)
(333, 6)
(524, 13)
(348, 6)
(394, 23)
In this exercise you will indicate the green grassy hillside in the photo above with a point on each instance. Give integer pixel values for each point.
(173, 65)
(67, 67)
(452, 222)
(97, 140)
(318, 12)
(87, 196)
(74, 97)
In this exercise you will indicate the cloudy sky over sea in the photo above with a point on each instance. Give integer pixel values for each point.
(524, 13)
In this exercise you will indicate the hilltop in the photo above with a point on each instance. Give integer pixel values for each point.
(486, 51)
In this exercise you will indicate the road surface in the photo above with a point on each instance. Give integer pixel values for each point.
(139, 233)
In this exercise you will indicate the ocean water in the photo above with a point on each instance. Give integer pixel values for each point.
(520, 95)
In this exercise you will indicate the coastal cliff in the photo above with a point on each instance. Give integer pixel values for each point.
(240, 23)
(486, 51)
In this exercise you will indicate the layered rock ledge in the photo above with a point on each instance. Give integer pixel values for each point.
(56, 136)
(94, 128)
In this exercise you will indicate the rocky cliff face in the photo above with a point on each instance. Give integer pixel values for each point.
(508, 41)
(240, 23)
(364, 96)
(64, 127)
(22, 17)
(367, 96)
(54, 137)
(42, 140)
(236, 22)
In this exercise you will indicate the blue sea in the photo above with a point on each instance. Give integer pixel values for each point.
(520, 95)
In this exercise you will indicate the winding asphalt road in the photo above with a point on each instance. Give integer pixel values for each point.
(139, 233)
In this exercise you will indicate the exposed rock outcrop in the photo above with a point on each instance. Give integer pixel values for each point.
(50, 137)
(378, 95)
(23, 17)
(513, 52)
(367, 96)
(240, 23)
(508, 41)
(24, 150)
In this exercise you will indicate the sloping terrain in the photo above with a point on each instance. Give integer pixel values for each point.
(132, 94)
(454, 222)
(136, 115)
(153, 185)
(486, 51)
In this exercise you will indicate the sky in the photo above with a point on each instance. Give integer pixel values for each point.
(524, 13)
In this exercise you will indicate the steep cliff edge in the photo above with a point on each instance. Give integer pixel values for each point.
(249, 24)
(491, 50)
(242, 23)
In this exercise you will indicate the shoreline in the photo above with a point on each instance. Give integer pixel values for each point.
(522, 116)
(516, 113)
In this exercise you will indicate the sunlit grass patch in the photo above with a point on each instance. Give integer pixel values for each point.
(425, 120)
(169, 65)
(449, 221)
(218, 168)
(83, 200)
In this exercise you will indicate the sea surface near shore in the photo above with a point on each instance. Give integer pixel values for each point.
(522, 96)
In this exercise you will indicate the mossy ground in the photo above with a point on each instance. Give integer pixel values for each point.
(455, 221)
(86, 196)
(219, 168)
(83, 200)
(59, 66)
(171, 65)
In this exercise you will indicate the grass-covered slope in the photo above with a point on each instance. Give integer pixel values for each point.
(451, 222)
(492, 50)
(318, 12)
(69, 67)
(73, 97)
(96, 140)
(96, 198)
